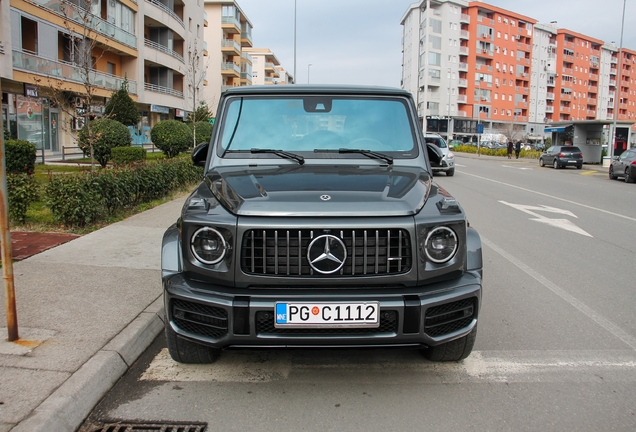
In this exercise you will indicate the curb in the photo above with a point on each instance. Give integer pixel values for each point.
(67, 407)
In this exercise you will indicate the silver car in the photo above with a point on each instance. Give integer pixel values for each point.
(448, 162)
(624, 166)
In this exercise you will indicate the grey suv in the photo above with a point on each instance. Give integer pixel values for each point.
(318, 224)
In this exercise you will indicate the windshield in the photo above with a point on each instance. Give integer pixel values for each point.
(315, 123)
(438, 141)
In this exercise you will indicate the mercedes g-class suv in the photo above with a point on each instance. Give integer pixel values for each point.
(318, 224)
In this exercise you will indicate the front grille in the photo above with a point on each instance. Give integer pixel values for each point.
(199, 319)
(284, 252)
(450, 317)
(388, 326)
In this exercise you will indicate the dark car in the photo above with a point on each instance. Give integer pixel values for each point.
(624, 166)
(318, 224)
(562, 156)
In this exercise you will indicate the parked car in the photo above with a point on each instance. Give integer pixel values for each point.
(624, 166)
(562, 156)
(455, 143)
(336, 238)
(448, 162)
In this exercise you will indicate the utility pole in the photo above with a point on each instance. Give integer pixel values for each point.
(295, 76)
(5, 238)
(619, 79)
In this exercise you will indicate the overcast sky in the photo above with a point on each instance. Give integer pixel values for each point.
(359, 41)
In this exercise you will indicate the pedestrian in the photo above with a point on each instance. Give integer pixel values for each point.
(510, 147)
(518, 148)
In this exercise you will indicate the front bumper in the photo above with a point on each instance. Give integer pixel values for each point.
(447, 164)
(415, 316)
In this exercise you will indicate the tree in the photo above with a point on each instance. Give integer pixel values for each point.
(107, 134)
(201, 114)
(79, 47)
(121, 107)
(195, 75)
(171, 137)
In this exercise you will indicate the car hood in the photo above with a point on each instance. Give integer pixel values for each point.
(319, 190)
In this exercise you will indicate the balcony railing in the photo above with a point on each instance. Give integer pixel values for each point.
(163, 49)
(549, 109)
(161, 89)
(247, 36)
(231, 43)
(461, 82)
(549, 96)
(463, 66)
(465, 18)
(68, 72)
(78, 15)
(167, 10)
(230, 20)
(231, 66)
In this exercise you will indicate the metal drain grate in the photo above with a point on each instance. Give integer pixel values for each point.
(128, 426)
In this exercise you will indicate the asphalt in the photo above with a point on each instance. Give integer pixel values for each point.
(87, 309)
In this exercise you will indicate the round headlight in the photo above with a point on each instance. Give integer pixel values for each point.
(208, 246)
(441, 244)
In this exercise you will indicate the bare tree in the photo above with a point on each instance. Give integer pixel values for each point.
(511, 130)
(80, 43)
(195, 76)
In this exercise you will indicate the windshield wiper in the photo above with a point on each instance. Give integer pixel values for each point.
(281, 153)
(368, 153)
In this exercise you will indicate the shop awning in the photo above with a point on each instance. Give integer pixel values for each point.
(561, 128)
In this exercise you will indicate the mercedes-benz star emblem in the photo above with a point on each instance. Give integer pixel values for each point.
(326, 254)
(325, 197)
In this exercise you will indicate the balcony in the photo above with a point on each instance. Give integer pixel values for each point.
(461, 82)
(69, 11)
(462, 99)
(591, 101)
(613, 71)
(463, 67)
(612, 82)
(231, 68)
(464, 18)
(163, 49)
(591, 112)
(463, 50)
(614, 60)
(566, 96)
(593, 89)
(549, 109)
(463, 34)
(594, 77)
(68, 72)
(246, 57)
(205, 19)
(565, 109)
(230, 46)
(163, 90)
(246, 39)
(549, 96)
(205, 48)
(230, 24)
(167, 10)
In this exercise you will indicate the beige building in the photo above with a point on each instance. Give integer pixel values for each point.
(264, 64)
(46, 44)
(229, 65)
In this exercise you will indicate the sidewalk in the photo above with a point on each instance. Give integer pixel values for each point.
(86, 310)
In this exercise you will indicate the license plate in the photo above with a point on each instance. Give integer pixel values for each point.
(326, 315)
(572, 161)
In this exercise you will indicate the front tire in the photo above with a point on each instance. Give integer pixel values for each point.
(541, 163)
(455, 350)
(556, 164)
(184, 351)
(612, 176)
(450, 172)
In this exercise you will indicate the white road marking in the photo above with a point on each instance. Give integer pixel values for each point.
(398, 366)
(553, 197)
(519, 168)
(587, 311)
(558, 223)
(458, 165)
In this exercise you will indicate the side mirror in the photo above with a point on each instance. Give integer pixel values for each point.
(200, 154)
(435, 155)
(614, 157)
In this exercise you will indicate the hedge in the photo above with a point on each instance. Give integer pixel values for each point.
(530, 154)
(22, 190)
(20, 156)
(126, 155)
(79, 199)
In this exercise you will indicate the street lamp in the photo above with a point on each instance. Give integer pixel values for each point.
(619, 80)
(479, 115)
(295, 77)
(448, 118)
(308, 69)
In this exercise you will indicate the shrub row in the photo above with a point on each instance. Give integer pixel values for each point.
(127, 155)
(22, 190)
(531, 154)
(79, 199)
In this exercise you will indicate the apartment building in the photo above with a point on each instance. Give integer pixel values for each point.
(48, 45)
(264, 66)
(467, 62)
(229, 64)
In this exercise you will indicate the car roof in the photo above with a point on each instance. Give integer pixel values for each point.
(315, 89)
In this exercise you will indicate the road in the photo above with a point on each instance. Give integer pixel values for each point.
(556, 348)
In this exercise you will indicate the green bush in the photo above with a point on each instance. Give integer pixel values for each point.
(75, 199)
(106, 134)
(22, 191)
(20, 156)
(7, 134)
(171, 137)
(127, 155)
(203, 132)
(530, 154)
(78, 199)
